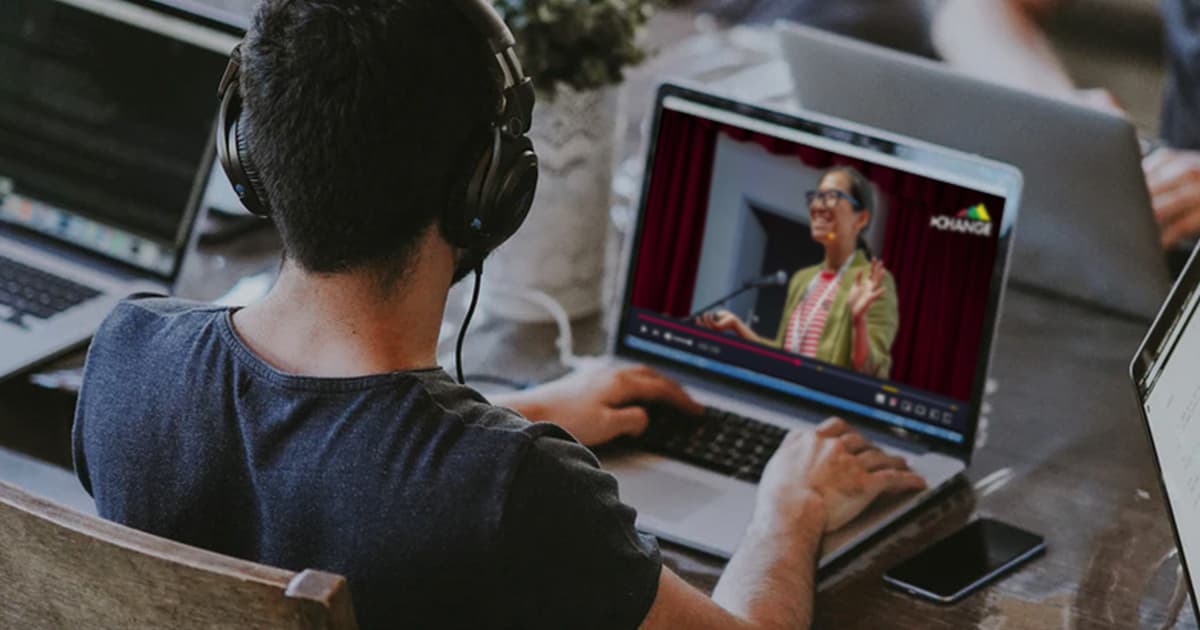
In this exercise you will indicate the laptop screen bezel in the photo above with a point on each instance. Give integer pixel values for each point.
(837, 131)
(199, 16)
(1140, 373)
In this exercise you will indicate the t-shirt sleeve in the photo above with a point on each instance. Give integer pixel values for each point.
(104, 373)
(572, 557)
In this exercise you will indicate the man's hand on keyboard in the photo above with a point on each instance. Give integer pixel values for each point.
(598, 403)
(836, 464)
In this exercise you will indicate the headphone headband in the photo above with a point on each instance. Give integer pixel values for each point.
(489, 24)
(495, 195)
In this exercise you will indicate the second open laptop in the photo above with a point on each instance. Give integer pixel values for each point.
(106, 116)
(724, 202)
(1088, 231)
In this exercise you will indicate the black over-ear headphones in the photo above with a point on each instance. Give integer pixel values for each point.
(488, 202)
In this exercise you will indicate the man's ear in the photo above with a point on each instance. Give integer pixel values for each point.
(435, 248)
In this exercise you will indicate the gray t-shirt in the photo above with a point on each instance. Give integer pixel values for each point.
(441, 509)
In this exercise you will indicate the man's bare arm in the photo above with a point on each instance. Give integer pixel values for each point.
(768, 584)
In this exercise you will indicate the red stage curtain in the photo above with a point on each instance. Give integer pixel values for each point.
(943, 279)
(674, 216)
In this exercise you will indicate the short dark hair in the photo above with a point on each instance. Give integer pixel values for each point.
(360, 115)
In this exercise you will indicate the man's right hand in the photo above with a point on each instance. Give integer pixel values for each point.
(837, 465)
(816, 482)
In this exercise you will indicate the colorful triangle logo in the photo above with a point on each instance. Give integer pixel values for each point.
(976, 212)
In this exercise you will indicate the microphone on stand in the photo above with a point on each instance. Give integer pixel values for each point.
(777, 279)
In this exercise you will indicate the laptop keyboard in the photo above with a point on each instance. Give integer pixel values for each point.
(718, 440)
(33, 292)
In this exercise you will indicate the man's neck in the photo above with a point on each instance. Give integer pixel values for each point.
(344, 325)
(836, 255)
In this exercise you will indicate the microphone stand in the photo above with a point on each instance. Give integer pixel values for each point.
(746, 287)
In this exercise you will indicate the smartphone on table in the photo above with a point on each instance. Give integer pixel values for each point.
(966, 560)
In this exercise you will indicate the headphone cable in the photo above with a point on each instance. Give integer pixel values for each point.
(462, 331)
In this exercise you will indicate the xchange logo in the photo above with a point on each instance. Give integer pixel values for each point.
(974, 220)
(977, 212)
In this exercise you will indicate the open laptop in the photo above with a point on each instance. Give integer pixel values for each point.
(107, 110)
(1087, 226)
(1166, 376)
(724, 202)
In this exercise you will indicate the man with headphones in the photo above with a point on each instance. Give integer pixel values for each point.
(313, 429)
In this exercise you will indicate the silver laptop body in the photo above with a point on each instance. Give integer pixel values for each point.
(1164, 373)
(1087, 229)
(708, 510)
(106, 118)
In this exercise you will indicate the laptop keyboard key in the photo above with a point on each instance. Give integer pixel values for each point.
(36, 293)
(717, 440)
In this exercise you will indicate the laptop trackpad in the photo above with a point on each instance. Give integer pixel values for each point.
(666, 496)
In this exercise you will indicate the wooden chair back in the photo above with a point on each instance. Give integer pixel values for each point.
(63, 569)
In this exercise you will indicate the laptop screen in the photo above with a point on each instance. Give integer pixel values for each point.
(1170, 390)
(753, 263)
(106, 116)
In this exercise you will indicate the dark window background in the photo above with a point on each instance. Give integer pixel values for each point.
(783, 251)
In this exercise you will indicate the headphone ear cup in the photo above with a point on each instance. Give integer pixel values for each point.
(463, 221)
(232, 151)
(255, 197)
(490, 203)
(511, 189)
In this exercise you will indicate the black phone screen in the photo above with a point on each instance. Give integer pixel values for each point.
(967, 559)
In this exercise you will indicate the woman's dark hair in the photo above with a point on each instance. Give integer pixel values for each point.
(863, 193)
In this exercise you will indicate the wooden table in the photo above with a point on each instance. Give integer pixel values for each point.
(1062, 451)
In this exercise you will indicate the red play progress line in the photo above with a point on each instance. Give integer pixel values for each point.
(723, 339)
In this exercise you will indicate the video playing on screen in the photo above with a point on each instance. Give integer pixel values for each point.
(853, 278)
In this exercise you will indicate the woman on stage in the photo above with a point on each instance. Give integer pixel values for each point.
(844, 310)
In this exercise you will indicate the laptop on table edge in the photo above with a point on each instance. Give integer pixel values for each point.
(1166, 378)
(98, 197)
(694, 506)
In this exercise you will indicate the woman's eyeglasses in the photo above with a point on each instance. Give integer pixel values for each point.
(828, 199)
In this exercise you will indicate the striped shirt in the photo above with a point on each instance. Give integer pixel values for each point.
(825, 285)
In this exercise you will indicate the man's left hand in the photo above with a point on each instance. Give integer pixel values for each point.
(598, 403)
(1174, 180)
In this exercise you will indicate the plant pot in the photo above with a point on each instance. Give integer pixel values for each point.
(559, 251)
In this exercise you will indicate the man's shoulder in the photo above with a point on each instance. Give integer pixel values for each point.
(537, 448)
(140, 310)
(481, 425)
(564, 526)
(162, 306)
(144, 335)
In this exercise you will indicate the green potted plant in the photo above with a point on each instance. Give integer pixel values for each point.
(580, 44)
(576, 51)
